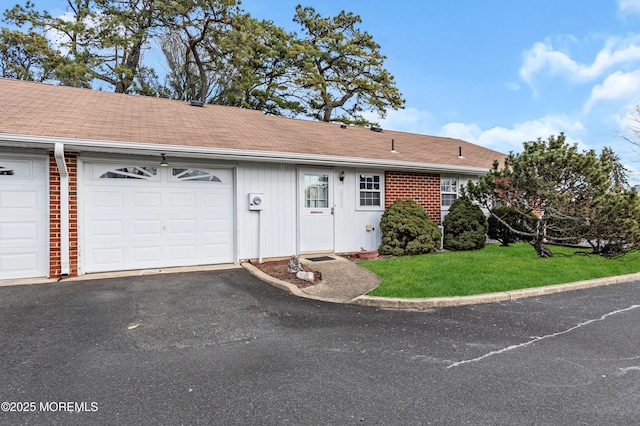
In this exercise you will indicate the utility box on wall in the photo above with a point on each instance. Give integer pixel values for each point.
(256, 201)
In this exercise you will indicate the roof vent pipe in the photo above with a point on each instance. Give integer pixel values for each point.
(460, 152)
(393, 145)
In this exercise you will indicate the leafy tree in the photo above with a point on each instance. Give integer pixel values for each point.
(562, 187)
(618, 174)
(341, 69)
(465, 226)
(26, 56)
(261, 55)
(613, 229)
(97, 39)
(407, 229)
(181, 80)
(199, 24)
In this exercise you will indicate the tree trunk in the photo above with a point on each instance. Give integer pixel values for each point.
(541, 250)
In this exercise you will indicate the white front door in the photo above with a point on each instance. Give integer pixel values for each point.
(316, 210)
(24, 214)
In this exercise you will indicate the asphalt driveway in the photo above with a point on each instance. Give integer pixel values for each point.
(224, 348)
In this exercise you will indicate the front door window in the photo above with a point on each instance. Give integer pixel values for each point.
(316, 191)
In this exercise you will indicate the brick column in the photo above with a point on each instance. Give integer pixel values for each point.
(55, 269)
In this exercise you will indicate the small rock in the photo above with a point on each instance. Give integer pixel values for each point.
(307, 276)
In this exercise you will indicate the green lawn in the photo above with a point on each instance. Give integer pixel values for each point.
(489, 270)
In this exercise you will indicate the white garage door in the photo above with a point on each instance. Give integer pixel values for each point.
(24, 213)
(145, 216)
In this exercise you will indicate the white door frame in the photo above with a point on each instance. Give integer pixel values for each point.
(316, 223)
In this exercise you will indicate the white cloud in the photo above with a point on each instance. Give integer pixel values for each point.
(618, 86)
(629, 7)
(410, 120)
(543, 57)
(505, 139)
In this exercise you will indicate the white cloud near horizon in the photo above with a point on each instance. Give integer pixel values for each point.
(617, 87)
(544, 57)
(505, 139)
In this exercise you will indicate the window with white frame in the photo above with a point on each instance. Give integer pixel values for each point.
(370, 193)
(448, 191)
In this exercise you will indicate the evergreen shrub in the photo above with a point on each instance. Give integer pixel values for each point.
(465, 226)
(407, 229)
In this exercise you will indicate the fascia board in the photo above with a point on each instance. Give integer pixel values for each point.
(82, 145)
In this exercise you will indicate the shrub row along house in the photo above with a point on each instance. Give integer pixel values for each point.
(94, 182)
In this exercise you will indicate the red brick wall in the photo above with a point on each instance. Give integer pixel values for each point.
(55, 267)
(424, 188)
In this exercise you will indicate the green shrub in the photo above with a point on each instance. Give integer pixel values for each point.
(465, 226)
(407, 229)
(498, 231)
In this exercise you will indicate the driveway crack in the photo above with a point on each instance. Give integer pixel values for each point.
(537, 339)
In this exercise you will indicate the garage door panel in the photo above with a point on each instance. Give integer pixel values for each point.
(182, 252)
(182, 227)
(217, 200)
(147, 200)
(147, 254)
(215, 251)
(106, 256)
(12, 201)
(21, 233)
(19, 264)
(107, 228)
(180, 201)
(165, 221)
(105, 199)
(24, 218)
(146, 228)
(218, 226)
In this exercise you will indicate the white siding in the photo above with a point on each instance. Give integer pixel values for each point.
(279, 215)
(278, 183)
(351, 232)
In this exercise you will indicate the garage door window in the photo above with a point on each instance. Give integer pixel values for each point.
(133, 172)
(193, 175)
(19, 169)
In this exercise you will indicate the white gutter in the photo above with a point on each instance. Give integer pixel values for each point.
(237, 154)
(58, 153)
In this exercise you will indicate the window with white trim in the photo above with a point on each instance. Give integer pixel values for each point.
(448, 191)
(370, 190)
(133, 172)
(16, 169)
(5, 171)
(193, 175)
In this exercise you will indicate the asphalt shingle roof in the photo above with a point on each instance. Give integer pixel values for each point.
(35, 109)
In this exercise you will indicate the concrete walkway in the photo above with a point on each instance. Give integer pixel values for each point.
(347, 282)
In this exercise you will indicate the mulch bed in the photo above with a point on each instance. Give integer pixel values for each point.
(279, 269)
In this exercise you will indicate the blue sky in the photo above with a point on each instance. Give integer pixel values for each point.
(499, 72)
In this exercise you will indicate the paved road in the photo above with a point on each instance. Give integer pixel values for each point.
(224, 348)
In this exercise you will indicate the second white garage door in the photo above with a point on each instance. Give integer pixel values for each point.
(138, 216)
(24, 215)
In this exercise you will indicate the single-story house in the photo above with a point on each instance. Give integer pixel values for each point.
(93, 182)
